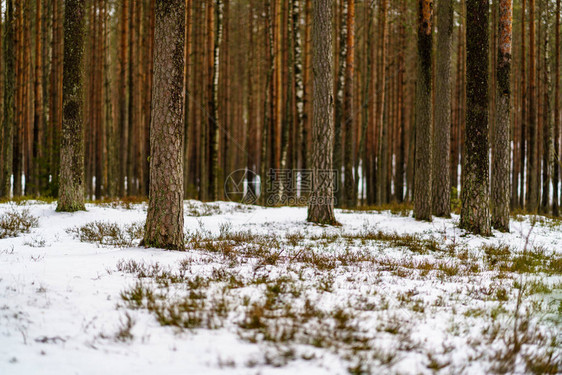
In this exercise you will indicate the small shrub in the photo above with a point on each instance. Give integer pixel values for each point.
(124, 332)
(13, 223)
(109, 234)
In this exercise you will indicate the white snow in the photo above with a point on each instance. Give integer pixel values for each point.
(61, 305)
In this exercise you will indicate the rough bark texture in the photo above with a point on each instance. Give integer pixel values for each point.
(71, 191)
(9, 105)
(213, 100)
(442, 185)
(321, 205)
(422, 200)
(501, 147)
(164, 223)
(475, 211)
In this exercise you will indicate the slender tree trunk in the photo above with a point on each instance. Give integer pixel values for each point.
(340, 60)
(523, 191)
(380, 126)
(532, 154)
(72, 141)
(164, 223)
(547, 125)
(37, 159)
(55, 102)
(307, 85)
(556, 164)
(501, 148)
(441, 177)
(350, 194)
(298, 66)
(216, 26)
(422, 200)
(475, 211)
(122, 96)
(321, 204)
(111, 133)
(456, 124)
(9, 104)
(401, 158)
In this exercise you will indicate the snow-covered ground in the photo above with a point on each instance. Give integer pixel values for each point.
(260, 291)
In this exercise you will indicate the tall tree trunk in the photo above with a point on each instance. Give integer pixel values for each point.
(523, 120)
(164, 223)
(111, 131)
(321, 203)
(422, 200)
(340, 58)
(350, 194)
(401, 158)
(9, 104)
(55, 100)
(307, 85)
(456, 124)
(475, 211)
(380, 126)
(442, 186)
(532, 154)
(132, 105)
(216, 26)
(556, 165)
(37, 160)
(72, 141)
(298, 65)
(122, 96)
(501, 148)
(546, 118)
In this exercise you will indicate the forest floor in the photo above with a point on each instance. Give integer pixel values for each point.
(260, 291)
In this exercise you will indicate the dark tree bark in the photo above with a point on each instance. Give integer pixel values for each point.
(9, 104)
(38, 120)
(213, 117)
(321, 204)
(71, 194)
(501, 147)
(475, 211)
(532, 152)
(556, 166)
(422, 200)
(122, 96)
(164, 223)
(442, 185)
(349, 118)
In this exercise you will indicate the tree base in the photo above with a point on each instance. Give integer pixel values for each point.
(70, 207)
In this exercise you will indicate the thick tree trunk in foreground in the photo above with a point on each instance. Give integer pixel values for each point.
(71, 191)
(164, 223)
(501, 149)
(441, 176)
(475, 211)
(422, 200)
(321, 204)
(9, 105)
